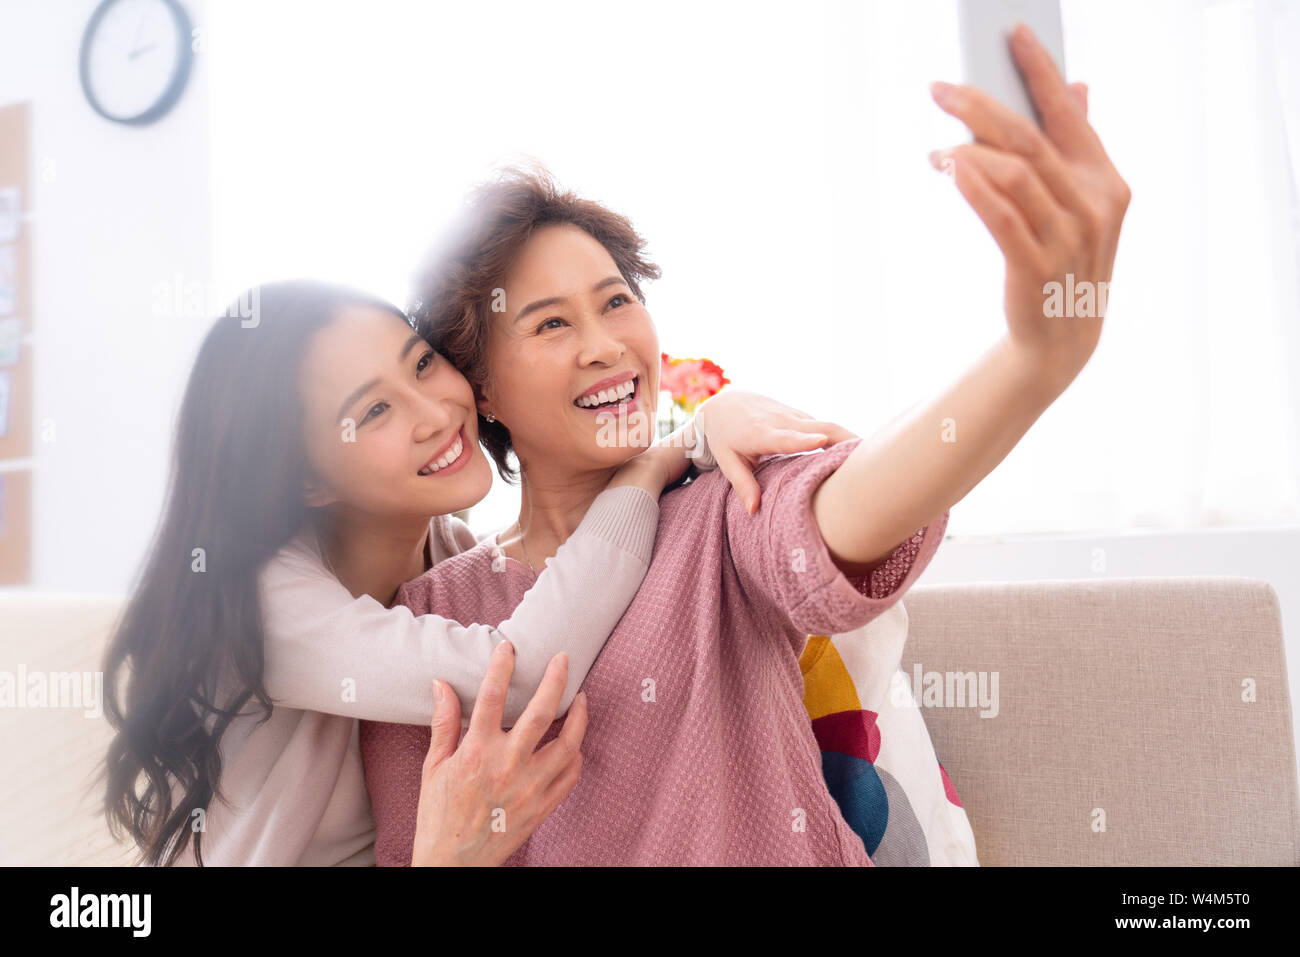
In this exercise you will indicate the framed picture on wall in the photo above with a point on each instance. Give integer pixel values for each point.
(4, 402)
(8, 279)
(11, 201)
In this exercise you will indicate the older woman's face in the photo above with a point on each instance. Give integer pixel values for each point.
(574, 367)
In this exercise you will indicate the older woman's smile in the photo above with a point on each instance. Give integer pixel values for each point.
(616, 393)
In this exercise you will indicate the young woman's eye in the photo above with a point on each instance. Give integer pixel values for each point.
(426, 360)
(547, 325)
(376, 409)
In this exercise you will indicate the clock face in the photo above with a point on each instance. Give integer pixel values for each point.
(135, 59)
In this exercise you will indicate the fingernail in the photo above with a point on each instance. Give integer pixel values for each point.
(943, 92)
(438, 693)
(506, 648)
(1022, 33)
(943, 161)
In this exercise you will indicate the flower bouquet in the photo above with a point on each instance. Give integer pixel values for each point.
(687, 383)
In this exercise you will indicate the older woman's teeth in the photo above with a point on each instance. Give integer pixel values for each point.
(451, 455)
(619, 393)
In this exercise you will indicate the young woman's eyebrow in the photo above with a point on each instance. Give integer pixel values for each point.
(356, 394)
(543, 303)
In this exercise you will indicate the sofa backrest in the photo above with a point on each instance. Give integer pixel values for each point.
(50, 799)
(1139, 721)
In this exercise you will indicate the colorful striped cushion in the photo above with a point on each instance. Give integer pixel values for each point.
(877, 757)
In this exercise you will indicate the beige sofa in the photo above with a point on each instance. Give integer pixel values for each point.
(1120, 703)
(1122, 736)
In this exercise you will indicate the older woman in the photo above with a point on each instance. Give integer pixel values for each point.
(699, 750)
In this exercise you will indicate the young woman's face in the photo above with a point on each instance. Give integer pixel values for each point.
(571, 330)
(389, 423)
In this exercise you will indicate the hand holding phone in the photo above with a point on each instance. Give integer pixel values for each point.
(985, 30)
(1052, 200)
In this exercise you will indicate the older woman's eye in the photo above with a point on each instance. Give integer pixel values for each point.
(547, 325)
(426, 360)
(615, 302)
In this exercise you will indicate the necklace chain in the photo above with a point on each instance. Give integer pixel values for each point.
(329, 566)
(524, 546)
(426, 553)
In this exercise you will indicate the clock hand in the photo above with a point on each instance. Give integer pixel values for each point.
(139, 24)
(135, 53)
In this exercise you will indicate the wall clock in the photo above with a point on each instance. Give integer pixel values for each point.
(136, 57)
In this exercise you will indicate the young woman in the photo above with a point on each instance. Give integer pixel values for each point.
(699, 750)
(320, 448)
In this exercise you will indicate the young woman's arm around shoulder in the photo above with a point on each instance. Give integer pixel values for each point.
(330, 651)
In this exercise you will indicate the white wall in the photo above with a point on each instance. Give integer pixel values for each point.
(117, 211)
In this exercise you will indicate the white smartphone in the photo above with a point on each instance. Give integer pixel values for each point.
(987, 62)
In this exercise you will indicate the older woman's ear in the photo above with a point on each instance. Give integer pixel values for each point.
(483, 402)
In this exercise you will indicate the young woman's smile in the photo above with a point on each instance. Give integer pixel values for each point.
(451, 458)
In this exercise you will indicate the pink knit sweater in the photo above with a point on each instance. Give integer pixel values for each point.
(698, 750)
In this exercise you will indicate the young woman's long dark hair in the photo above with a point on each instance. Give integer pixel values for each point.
(187, 655)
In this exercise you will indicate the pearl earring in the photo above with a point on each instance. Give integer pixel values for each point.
(490, 417)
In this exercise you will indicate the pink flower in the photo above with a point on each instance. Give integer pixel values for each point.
(690, 381)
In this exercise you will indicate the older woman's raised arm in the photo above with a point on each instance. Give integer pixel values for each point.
(1054, 203)
(928, 459)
